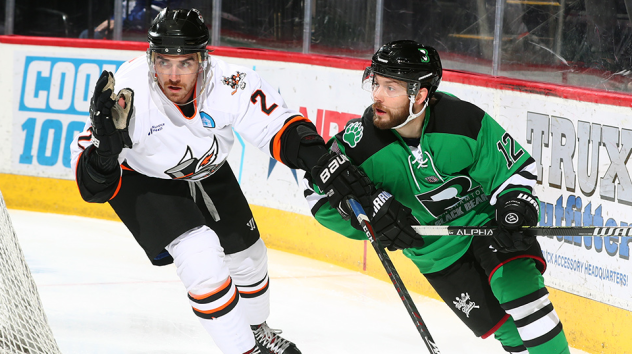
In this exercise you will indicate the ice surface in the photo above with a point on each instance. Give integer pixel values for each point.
(102, 295)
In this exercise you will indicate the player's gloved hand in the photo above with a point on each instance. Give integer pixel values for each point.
(110, 115)
(392, 223)
(339, 179)
(513, 211)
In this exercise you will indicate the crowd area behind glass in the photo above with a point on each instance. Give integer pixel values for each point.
(584, 43)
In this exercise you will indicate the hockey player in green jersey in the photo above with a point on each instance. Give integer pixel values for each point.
(433, 159)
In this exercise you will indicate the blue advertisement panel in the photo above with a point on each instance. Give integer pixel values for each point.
(53, 100)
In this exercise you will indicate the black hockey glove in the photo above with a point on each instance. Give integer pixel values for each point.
(110, 115)
(513, 211)
(339, 180)
(392, 223)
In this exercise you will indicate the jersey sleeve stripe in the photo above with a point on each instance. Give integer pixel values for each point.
(276, 145)
(77, 169)
(84, 139)
(524, 178)
(118, 187)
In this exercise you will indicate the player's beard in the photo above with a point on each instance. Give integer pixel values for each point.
(183, 95)
(391, 118)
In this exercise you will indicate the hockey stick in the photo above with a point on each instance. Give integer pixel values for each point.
(535, 230)
(395, 279)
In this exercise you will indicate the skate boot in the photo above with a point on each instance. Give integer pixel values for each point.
(270, 342)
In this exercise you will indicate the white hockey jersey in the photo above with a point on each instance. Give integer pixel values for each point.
(168, 145)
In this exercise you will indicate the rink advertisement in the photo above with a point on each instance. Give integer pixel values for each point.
(585, 182)
(52, 101)
(582, 152)
(582, 149)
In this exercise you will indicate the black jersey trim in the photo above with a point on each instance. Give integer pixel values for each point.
(372, 141)
(451, 115)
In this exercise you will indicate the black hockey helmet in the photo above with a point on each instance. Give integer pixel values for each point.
(416, 64)
(176, 32)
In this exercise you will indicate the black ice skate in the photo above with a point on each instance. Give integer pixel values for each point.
(270, 342)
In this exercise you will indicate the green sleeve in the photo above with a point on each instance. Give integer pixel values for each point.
(500, 157)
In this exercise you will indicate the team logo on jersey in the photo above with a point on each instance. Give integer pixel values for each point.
(453, 199)
(439, 200)
(235, 81)
(464, 304)
(353, 133)
(432, 179)
(207, 120)
(194, 168)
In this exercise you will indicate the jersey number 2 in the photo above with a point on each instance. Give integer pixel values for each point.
(512, 156)
(262, 96)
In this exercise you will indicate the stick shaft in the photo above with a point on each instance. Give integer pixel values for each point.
(535, 230)
(394, 276)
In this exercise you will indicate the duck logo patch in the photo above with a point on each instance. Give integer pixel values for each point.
(235, 81)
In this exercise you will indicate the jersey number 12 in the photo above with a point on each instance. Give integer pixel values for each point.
(512, 155)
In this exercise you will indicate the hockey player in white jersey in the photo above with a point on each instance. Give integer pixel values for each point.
(156, 153)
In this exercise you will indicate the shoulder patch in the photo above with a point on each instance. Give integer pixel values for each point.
(361, 139)
(353, 134)
(207, 120)
(235, 81)
(452, 116)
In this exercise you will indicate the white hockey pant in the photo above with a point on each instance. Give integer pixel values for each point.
(227, 292)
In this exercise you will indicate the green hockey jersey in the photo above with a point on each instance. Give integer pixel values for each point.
(452, 175)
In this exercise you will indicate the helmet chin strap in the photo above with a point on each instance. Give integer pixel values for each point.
(412, 115)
